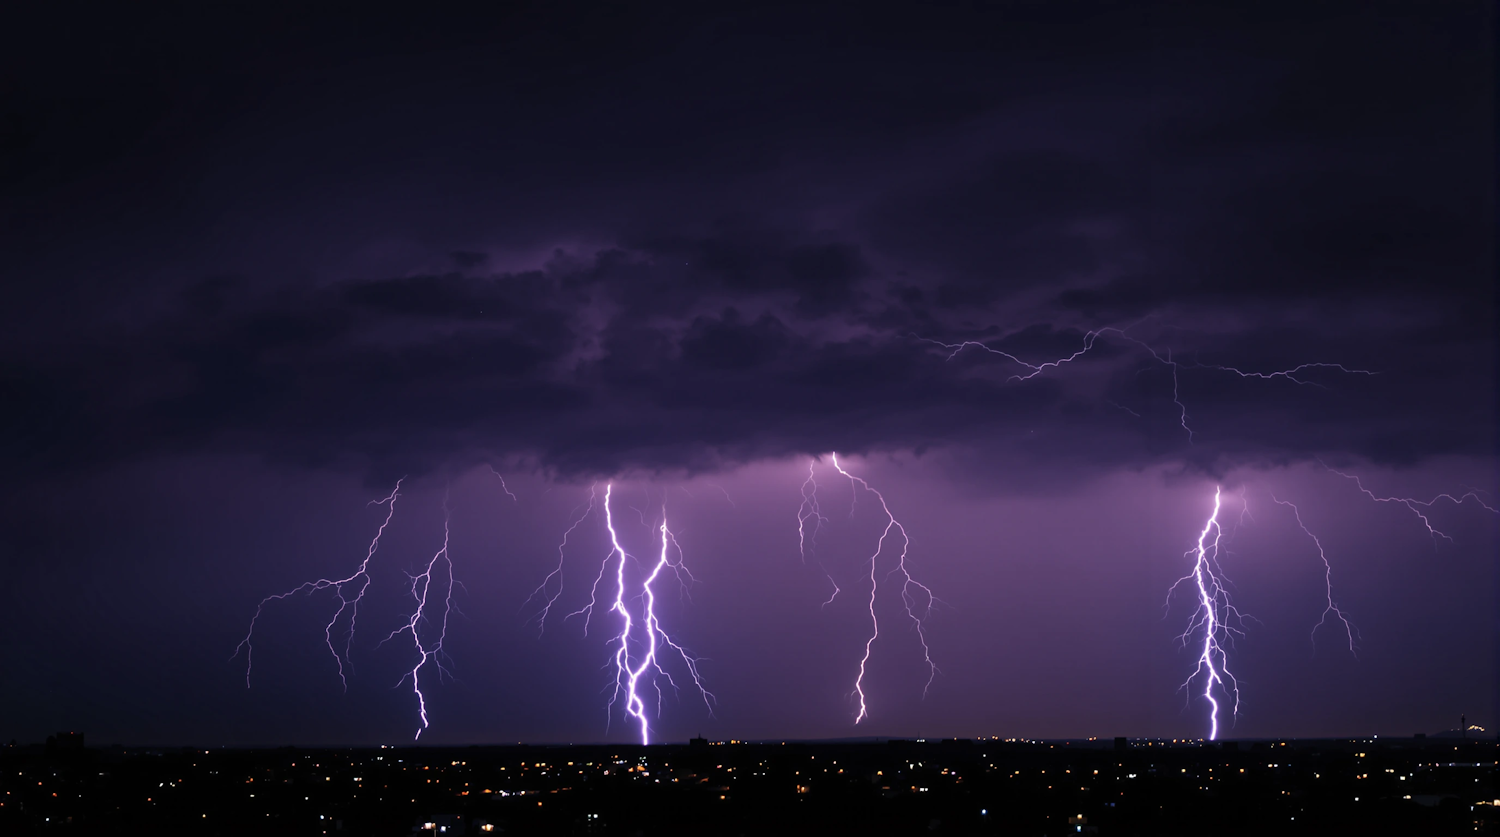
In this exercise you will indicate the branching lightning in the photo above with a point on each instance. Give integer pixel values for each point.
(1412, 503)
(1032, 370)
(1214, 608)
(1330, 607)
(629, 674)
(1212, 617)
(1214, 611)
(357, 584)
(557, 572)
(587, 611)
(421, 592)
(911, 601)
(809, 511)
(359, 581)
(639, 645)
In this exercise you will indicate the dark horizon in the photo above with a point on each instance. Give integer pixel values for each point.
(898, 787)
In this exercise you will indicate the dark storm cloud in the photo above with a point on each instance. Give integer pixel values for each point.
(413, 373)
(742, 229)
(821, 276)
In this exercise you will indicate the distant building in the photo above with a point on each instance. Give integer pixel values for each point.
(1081, 826)
(698, 743)
(442, 824)
(1122, 743)
(65, 742)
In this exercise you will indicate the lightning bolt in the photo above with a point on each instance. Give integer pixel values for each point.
(587, 611)
(421, 591)
(809, 511)
(907, 598)
(359, 581)
(541, 591)
(1330, 606)
(639, 645)
(1211, 616)
(725, 492)
(1091, 338)
(503, 486)
(1412, 503)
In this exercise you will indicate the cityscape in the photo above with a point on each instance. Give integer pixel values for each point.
(1443, 784)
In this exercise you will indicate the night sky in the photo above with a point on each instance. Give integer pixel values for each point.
(260, 263)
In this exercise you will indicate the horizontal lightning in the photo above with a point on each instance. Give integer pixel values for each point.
(1032, 370)
(1412, 503)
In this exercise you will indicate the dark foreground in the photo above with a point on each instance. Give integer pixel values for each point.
(1396, 786)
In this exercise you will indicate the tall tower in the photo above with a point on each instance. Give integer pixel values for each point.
(1463, 726)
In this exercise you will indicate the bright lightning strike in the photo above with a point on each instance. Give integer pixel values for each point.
(421, 591)
(642, 640)
(907, 598)
(1211, 617)
(359, 582)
